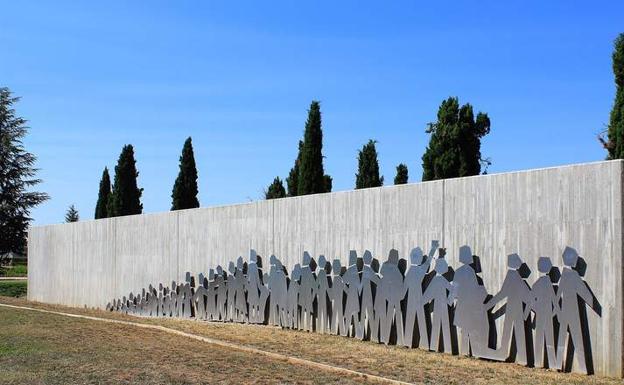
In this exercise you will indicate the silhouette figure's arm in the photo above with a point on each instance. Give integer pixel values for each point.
(584, 292)
(427, 295)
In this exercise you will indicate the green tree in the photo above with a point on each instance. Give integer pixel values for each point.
(101, 207)
(454, 148)
(17, 178)
(292, 181)
(615, 144)
(72, 214)
(311, 178)
(368, 167)
(401, 174)
(185, 188)
(275, 189)
(125, 198)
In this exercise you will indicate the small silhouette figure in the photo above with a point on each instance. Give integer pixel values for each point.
(352, 283)
(571, 288)
(370, 281)
(415, 310)
(440, 291)
(392, 293)
(545, 305)
(278, 288)
(517, 293)
(200, 297)
(294, 287)
(222, 295)
(307, 293)
(336, 294)
(322, 289)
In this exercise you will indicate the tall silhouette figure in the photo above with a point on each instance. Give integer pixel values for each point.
(307, 293)
(222, 294)
(293, 297)
(393, 292)
(545, 305)
(471, 315)
(336, 293)
(440, 292)
(415, 311)
(370, 282)
(322, 289)
(257, 293)
(278, 287)
(571, 289)
(517, 293)
(352, 307)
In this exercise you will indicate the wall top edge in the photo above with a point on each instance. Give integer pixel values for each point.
(336, 193)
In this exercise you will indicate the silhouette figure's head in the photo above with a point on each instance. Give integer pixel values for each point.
(322, 262)
(231, 268)
(367, 257)
(160, 287)
(352, 258)
(393, 257)
(441, 267)
(239, 263)
(513, 261)
(253, 256)
(336, 267)
(296, 273)
(211, 274)
(306, 258)
(219, 270)
(544, 265)
(188, 277)
(465, 255)
(570, 257)
(272, 259)
(416, 256)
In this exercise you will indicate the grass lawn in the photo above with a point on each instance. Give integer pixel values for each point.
(13, 288)
(37, 348)
(14, 271)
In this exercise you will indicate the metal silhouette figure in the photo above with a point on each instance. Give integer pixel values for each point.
(294, 287)
(278, 288)
(571, 288)
(413, 286)
(222, 295)
(352, 283)
(241, 290)
(336, 294)
(370, 282)
(200, 298)
(211, 296)
(518, 294)
(322, 297)
(545, 305)
(391, 294)
(257, 293)
(307, 293)
(471, 315)
(440, 292)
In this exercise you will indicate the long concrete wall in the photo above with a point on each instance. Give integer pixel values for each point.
(534, 213)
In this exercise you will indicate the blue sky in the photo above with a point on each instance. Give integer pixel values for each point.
(239, 76)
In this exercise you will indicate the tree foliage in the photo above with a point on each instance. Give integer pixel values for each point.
(101, 207)
(615, 144)
(72, 214)
(275, 189)
(401, 174)
(368, 167)
(17, 177)
(185, 189)
(454, 148)
(125, 198)
(311, 178)
(292, 181)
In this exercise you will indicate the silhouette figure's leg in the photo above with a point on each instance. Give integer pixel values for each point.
(435, 333)
(550, 342)
(446, 333)
(521, 357)
(579, 346)
(423, 338)
(410, 324)
(465, 343)
(503, 351)
(538, 347)
(398, 314)
(562, 343)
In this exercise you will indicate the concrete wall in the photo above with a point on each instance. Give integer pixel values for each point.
(534, 213)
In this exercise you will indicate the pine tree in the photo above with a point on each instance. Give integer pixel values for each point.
(17, 173)
(368, 167)
(311, 178)
(401, 174)
(615, 145)
(275, 189)
(292, 181)
(125, 198)
(455, 145)
(185, 188)
(101, 209)
(72, 214)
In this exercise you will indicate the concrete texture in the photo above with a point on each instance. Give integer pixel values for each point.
(533, 213)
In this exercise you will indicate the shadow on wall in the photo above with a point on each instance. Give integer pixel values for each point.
(421, 303)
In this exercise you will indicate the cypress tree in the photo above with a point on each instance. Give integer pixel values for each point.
(72, 214)
(292, 181)
(185, 188)
(101, 209)
(125, 198)
(275, 189)
(368, 167)
(17, 173)
(615, 145)
(311, 178)
(401, 174)
(454, 148)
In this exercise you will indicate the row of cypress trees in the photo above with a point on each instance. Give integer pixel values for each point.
(123, 197)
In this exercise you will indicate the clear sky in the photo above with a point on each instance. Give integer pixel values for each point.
(239, 76)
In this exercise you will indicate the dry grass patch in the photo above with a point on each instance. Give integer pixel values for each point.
(411, 365)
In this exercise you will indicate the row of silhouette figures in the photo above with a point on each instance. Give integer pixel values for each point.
(423, 303)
